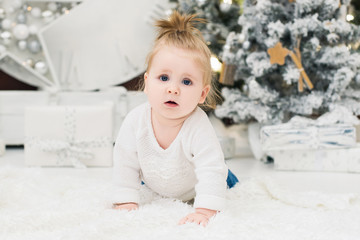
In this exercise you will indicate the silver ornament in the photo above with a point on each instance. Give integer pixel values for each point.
(21, 18)
(34, 46)
(22, 45)
(6, 37)
(41, 67)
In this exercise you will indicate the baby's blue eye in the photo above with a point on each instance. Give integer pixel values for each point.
(164, 78)
(186, 82)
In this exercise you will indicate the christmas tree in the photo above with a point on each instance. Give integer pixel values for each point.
(291, 58)
(221, 17)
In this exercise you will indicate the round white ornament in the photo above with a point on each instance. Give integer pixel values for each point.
(48, 16)
(22, 44)
(16, 4)
(52, 6)
(6, 24)
(36, 12)
(6, 37)
(21, 31)
(41, 67)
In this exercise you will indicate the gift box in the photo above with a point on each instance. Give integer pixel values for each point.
(298, 136)
(13, 104)
(12, 108)
(69, 135)
(331, 160)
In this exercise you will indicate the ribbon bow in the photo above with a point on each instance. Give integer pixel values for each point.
(70, 148)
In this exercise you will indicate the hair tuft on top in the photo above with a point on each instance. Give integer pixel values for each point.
(178, 26)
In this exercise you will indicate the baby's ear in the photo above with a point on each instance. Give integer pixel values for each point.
(145, 81)
(204, 93)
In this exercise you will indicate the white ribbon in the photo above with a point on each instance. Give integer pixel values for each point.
(74, 151)
(332, 130)
(286, 136)
(70, 148)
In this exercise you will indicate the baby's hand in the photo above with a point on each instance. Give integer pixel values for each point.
(126, 206)
(201, 216)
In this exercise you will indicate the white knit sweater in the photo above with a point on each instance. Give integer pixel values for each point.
(192, 165)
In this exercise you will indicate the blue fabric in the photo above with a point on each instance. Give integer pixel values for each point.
(231, 179)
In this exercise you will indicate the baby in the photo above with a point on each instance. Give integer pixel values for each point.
(168, 143)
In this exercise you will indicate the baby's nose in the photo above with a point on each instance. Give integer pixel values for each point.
(173, 90)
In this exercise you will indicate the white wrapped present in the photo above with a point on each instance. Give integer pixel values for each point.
(334, 129)
(12, 108)
(292, 136)
(332, 160)
(69, 135)
(13, 104)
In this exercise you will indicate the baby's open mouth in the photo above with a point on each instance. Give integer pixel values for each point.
(171, 103)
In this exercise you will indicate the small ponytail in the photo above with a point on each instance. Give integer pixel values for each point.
(179, 26)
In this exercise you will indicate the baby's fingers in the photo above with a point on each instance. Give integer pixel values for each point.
(183, 220)
(126, 206)
(195, 218)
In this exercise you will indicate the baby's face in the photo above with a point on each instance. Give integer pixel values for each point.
(174, 83)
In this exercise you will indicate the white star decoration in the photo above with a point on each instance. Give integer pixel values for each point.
(20, 23)
(95, 46)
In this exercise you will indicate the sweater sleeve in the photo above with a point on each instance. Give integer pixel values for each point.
(126, 169)
(210, 168)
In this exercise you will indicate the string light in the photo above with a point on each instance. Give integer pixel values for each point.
(215, 64)
(349, 17)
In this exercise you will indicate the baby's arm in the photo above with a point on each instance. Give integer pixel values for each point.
(126, 168)
(201, 216)
(210, 170)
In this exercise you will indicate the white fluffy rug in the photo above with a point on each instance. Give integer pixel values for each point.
(36, 205)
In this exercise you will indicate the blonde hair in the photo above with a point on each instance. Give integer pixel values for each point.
(180, 31)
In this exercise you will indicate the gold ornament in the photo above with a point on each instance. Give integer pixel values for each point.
(278, 54)
(227, 74)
